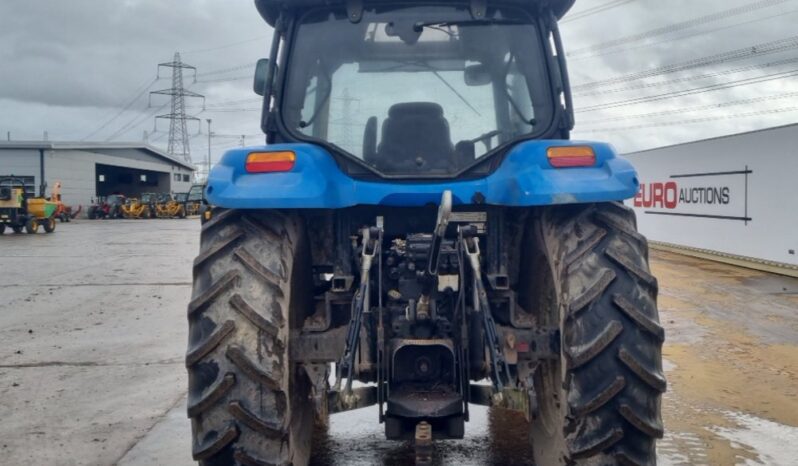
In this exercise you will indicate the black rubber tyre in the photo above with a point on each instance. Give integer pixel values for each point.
(2, 228)
(248, 404)
(49, 225)
(599, 404)
(31, 226)
(17, 228)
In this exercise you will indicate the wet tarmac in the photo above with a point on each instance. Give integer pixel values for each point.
(493, 437)
(92, 337)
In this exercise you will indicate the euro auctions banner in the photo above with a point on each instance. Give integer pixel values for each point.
(735, 195)
(719, 195)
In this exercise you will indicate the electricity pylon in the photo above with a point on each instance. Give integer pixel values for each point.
(178, 132)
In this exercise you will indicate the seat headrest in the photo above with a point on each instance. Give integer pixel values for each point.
(424, 109)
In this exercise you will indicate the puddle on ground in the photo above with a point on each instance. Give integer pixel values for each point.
(682, 449)
(668, 366)
(770, 443)
(493, 437)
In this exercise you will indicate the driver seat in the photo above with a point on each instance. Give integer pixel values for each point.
(415, 139)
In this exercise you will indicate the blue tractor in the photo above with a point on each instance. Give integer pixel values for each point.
(420, 233)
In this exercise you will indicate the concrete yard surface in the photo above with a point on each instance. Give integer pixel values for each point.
(93, 332)
(93, 336)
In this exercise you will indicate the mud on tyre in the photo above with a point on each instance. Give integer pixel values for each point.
(600, 403)
(246, 402)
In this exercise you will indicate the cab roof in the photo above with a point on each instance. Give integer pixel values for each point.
(270, 9)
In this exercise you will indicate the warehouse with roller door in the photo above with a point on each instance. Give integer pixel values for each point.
(732, 198)
(87, 170)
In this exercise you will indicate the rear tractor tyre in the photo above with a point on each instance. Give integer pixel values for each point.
(31, 226)
(247, 402)
(49, 225)
(599, 404)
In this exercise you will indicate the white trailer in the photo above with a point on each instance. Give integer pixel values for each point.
(733, 197)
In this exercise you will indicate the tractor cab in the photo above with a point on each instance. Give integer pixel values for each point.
(415, 89)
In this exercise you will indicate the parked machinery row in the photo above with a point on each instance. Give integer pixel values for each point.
(21, 210)
(152, 205)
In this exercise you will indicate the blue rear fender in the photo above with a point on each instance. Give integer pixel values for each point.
(525, 178)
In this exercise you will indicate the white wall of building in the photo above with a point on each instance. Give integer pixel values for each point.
(20, 162)
(735, 195)
(75, 169)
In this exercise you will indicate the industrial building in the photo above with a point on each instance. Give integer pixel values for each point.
(731, 198)
(89, 169)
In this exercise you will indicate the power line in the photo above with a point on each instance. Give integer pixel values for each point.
(738, 54)
(689, 78)
(227, 70)
(594, 10)
(236, 136)
(612, 51)
(234, 102)
(712, 17)
(140, 91)
(681, 110)
(232, 110)
(158, 138)
(220, 80)
(135, 121)
(693, 120)
(683, 93)
(226, 46)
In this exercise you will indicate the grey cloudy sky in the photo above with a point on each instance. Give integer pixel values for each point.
(70, 67)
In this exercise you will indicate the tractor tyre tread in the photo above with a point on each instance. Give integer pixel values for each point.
(242, 402)
(611, 336)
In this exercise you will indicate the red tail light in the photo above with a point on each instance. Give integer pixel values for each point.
(571, 156)
(270, 162)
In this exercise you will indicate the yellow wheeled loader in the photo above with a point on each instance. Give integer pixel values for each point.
(135, 208)
(167, 207)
